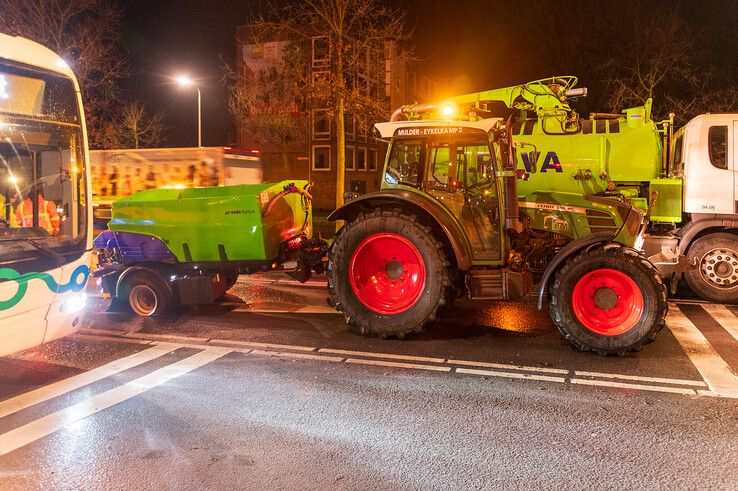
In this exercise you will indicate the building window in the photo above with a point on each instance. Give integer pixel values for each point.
(321, 52)
(350, 162)
(349, 125)
(321, 125)
(321, 89)
(361, 130)
(373, 159)
(321, 157)
(361, 159)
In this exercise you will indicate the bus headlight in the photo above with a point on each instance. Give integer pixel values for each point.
(75, 303)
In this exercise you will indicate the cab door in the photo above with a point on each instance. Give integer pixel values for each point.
(460, 176)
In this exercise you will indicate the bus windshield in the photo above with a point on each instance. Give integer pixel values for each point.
(42, 166)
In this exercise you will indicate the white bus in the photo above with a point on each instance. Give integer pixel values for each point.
(45, 211)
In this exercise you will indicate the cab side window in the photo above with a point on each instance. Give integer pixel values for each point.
(717, 146)
(404, 163)
(440, 165)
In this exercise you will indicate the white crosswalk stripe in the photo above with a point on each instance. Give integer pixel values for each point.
(712, 367)
(30, 432)
(725, 317)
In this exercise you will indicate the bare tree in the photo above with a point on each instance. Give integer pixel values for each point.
(652, 60)
(267, 100)
(355, 34)
(86, 34)
(136, 128)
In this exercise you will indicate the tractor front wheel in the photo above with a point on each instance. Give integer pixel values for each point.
(609, 300)
(388, 274)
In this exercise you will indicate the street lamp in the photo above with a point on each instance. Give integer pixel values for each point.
(185, 81)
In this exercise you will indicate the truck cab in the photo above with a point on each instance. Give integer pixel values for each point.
(704, 156)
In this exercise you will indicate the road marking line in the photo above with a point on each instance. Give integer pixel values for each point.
(725, 318)
(713, 368)
(623, 385)
(673, 381)
(393, 364)
(526, 376)
(28, 433)
(447, 368)
(502, 365)
(381, 355)
(253, 344)
(187, 339)
(117, 339)
(303, 356)
(66, 385)
(90, 330)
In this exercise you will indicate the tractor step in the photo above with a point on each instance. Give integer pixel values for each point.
(498, 284)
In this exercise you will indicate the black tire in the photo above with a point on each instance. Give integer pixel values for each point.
(146, 295)
(610, 257)
(716, 276)
(437, 289)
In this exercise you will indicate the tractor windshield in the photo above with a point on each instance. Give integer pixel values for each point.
(404, 163)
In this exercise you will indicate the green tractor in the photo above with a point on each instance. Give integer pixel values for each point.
(446, 223)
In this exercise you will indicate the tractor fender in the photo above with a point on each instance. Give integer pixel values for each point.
(567, 251)
(421, 204)
(140, 269)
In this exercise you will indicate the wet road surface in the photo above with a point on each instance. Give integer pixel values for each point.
(268, 390)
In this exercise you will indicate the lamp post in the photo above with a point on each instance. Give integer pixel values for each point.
(185, 81)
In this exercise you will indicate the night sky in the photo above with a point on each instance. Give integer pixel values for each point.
(463, 45)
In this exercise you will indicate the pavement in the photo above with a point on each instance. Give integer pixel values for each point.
(268, 390)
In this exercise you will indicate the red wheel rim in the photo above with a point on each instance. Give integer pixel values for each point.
(387, 273)
(607, 302)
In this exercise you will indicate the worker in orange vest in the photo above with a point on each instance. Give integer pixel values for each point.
(48, 217)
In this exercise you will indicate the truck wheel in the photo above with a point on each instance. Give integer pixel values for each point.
(716, 276)
(388, 274)
(146, 295)
(609, 300)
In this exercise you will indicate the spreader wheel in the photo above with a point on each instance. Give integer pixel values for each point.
(388, 273)
(147, 295)
(609, 300)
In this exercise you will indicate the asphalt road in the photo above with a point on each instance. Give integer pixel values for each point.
(267, 390)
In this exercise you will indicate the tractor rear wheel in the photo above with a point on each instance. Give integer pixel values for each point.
(716, 276)
(388, 274)
(609, 300)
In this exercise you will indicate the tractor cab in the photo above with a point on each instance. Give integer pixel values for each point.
(458, 165)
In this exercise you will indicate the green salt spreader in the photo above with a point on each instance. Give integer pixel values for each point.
(169, 247)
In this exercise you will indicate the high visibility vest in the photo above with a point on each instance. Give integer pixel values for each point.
(48, 217)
